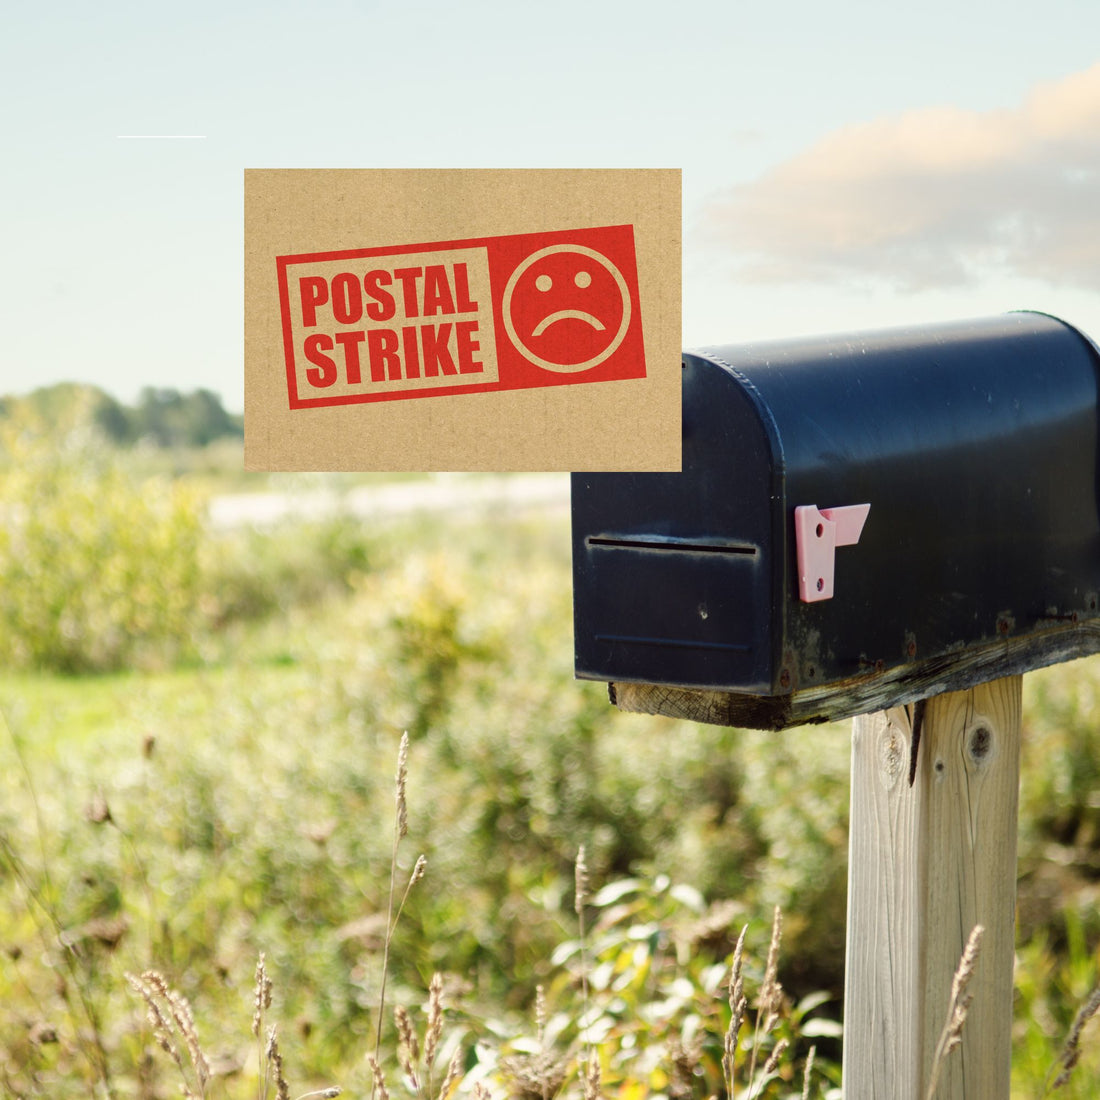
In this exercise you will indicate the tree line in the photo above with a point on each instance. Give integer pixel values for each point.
(161, 417)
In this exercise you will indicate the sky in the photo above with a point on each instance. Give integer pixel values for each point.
(845, 166)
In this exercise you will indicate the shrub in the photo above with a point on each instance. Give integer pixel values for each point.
(97, 571)
(249, 575)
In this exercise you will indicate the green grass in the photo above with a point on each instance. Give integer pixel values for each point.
(257, 819)
(249, 794)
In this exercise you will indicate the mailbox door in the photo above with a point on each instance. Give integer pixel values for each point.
(676, 575)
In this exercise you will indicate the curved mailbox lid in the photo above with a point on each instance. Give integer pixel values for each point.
(975, 445)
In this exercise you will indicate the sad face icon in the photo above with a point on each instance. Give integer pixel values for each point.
(566, 307)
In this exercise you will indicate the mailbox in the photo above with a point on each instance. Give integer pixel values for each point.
(861, 520)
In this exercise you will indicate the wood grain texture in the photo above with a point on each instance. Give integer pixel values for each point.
(927, 863)
(882, 1021)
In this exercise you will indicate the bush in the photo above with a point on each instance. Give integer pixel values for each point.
(250, 575)
(97, 571)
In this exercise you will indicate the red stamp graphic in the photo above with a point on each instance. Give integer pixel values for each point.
(495, 313)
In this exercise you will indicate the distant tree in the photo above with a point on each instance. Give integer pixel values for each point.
(172, 419)
(114, 421)
(207, 420)
(162, 416)
(156, 414)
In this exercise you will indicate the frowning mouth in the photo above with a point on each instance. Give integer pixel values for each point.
(565, 314)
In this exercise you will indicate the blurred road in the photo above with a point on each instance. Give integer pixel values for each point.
(440, 493)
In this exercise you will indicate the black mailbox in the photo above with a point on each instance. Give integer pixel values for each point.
(861, 520)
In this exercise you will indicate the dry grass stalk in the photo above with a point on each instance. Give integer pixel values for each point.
(408, 1044)
(534, 1076)
(454, 1071)
(592, 1080)
(262, 998)
(1070, 1054)
(771, 992)
(169, 1014)
(772, 1064)
(378, 1079)
(261, 1002)
(275, 1066)
(540, 1025)
(738, 1004)
(770, 998)
(434, 1030)
(540, 1013)
(402, 784)
(580, 896)
(400, 831)
(580, 882)
(162, 1029)
(961, 999)
(807, 1072)
(270, 1057)
(181, 1013)
(408, 1049)
(539, 1075)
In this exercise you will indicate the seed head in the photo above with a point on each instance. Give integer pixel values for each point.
(402, 783)
(580, 879)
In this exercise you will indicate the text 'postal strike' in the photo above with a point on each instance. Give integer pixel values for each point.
(512, 312)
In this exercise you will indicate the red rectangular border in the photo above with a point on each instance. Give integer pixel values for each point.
(630, 364)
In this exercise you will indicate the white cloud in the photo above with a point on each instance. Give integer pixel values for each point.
(932, 197)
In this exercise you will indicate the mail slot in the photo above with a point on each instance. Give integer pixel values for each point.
(881, 505)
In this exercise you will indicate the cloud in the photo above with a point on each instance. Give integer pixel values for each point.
(932, 197)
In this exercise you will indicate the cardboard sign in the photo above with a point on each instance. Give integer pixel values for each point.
(453, 319)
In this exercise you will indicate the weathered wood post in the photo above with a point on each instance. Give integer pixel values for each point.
(928, 863)
(956, 546)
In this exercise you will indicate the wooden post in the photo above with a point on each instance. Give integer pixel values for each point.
(926, 864)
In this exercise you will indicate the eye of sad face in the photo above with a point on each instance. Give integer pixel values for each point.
(582, 279)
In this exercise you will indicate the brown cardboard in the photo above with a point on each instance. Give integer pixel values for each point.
(454, 319)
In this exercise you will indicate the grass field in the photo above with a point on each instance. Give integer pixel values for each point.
(232, 793)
